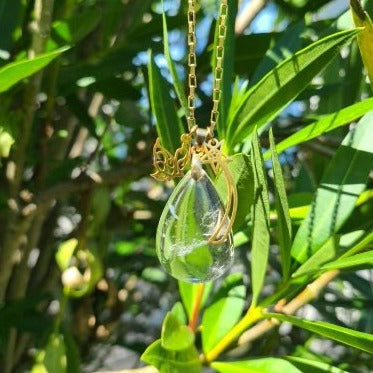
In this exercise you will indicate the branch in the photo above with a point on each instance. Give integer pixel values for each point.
(311, 292)
(249, 14)
(196, 307)
(17, 226)
(90, 180)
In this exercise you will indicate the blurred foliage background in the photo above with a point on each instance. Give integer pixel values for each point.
(76, 136)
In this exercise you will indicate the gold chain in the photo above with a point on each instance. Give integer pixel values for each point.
(192, 63)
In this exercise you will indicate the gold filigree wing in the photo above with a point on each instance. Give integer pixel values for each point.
(168, 166)
(163, 162)
(183, 155)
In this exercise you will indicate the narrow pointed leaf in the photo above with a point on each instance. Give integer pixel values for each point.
(313, 366)
(359, 246)
(365, 38)
(281, 85)
(224, 311)
(343, 182)
(287, 364)
(286, 45)
(260, 222)
(363, 259)
(168, 123)
(179, 89)
(327, 252)
(284, 229)
(266, 365)
(14, 72)
(350, 337)
(326, 124)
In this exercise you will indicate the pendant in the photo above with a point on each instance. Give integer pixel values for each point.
(194, 241)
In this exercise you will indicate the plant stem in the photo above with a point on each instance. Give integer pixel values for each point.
(311, 292)
(196, 307)
(253, 315)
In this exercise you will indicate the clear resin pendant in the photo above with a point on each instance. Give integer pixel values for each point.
(189, 220)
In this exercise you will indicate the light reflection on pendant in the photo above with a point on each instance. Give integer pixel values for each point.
(188, 221)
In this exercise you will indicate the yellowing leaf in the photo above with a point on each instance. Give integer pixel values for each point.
(365, 38)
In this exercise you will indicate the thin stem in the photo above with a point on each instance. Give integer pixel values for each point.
(196, 307)
(252, 316)
(311, 292)
(248, 15)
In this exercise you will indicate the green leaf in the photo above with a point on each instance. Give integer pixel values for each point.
(284, 83)
(178, 311)
(168, 123)
(188, 294)
(327, 252)
(325, 124)
(266, 365)
(52, 358)
(175, 336)
(241, 169)
(260, 222)
(283, 217)
(224, 311)
(289, 42)
(6, 142)
(343, 181)
(365, 38)
(350, 337)
(14, 72)
(65, 252)
(358, 246)
(287, 364)
(186, 361)
(363, 259)
(312, 366)
(179, 89)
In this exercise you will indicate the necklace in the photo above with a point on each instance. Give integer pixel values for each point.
(194, 240)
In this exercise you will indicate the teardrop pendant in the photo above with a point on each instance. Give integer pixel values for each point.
(186, 226)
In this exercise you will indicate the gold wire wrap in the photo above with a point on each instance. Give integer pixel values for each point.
(210, 153)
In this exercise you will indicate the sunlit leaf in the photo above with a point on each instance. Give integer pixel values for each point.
(260, 222)
(350, 337)
(223, 312)
(280, 86)
(365, 38)
(175, 336)
(14, 72)
(325, 124)
(168, 123)
(343, 182)
(284, 228)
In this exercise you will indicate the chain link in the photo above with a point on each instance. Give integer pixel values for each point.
(192, 63)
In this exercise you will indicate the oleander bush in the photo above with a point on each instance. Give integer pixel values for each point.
(86, 86)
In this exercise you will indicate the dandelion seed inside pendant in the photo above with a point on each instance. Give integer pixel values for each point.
(194, 240)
